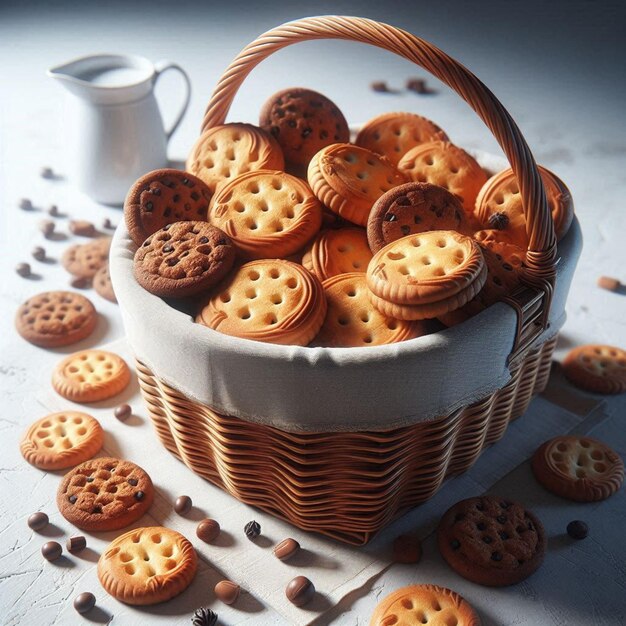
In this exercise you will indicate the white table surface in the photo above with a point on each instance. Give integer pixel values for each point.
(562, 78)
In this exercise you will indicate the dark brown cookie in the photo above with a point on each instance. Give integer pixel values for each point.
(491, 541)
(303, 122)
(84, 260)
(162, 197)
(102, 284)
(104, 494)
(414, 208)
(183, 259)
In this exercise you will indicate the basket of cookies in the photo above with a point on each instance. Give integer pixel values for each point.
(327, 325)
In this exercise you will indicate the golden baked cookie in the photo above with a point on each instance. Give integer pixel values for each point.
(349, 179)
(103, 285)
(578, 468)
(223, 152)
(394, 134)
(90, 375)
(500, 243)
(274, 301)
(444, 164)
(597, 368)
(83, 260)
(352, 322)
(499, 205)
(62, 440)
(147, 565)
(424, 604)
(268, 214)
(338, 251)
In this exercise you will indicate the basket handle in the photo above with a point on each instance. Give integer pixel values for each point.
(540, 270)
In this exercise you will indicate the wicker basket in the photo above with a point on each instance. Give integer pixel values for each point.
(349, 485)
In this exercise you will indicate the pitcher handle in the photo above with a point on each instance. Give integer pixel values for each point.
(163, 66)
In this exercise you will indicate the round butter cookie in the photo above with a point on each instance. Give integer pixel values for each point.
(104, 494)
(338, 251)
(499, 205)
(597, 368)
(103, 285)
(414, 208)
(352, 322)
(56, 318)
(578, 468)
(394, 134)
(303, 122)
(425, 268)
(349, 179)
(183, 259)
(268, 214)
(83, 260)
(147, 565)
(223, 152)
(274, 301)
(162, 197)
(491, 541)
(62, 440)
(424, 604)
(444, 164)
(90, 375)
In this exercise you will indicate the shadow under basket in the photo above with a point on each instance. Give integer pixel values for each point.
(347, 485)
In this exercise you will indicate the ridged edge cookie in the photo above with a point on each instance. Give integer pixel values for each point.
(577, 362)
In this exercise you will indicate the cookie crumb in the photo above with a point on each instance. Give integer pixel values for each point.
(47, 172)
(609, 283)
(419, 86)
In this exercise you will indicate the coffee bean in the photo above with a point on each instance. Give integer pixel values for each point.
(82, 228)
(183, 505)
(25, 204)
(84, 602)
(47, 228)
(227, 591)
(577, 529)
(608, 283)
(286, 549)
(123, 412)
(53, 211)
(208, 530)
(23, 269)
(46, 172)
(407, 549)
(300, 591)
(76, 544)
(39, 253)
(38, 520)
(51, 550)
(80, 282)
(252, 530)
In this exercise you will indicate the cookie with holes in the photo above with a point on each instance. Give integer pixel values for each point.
(338, 251)
(103, 285)
(147, 565)
(104, 494)
(597, 368)
(394, 134)
(223, 152)
(348, 180)
(500, 243)
(162, 197)
(56, 318)
(491, 541)
(274, 301)
(351, 321)
(424, 604)
(62, 440)
(303, 122)
(90, 376)
(444, 164)
(499, 205)
(268, 214)
(414, 208)
(183, 259)
(578, 468)
(83, 260)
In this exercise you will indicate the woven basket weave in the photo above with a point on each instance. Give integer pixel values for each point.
(349, 485)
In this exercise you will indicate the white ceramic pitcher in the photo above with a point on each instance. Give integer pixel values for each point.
(119, 133)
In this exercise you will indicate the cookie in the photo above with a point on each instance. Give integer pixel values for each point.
(147, 565)
(424, 604)
(500, 243)
(425, 268)
(90, 375)
(394, 134)
(414, 208)
(85, 259)
(349, 179)
(162, 197)
(337, 252)
(62, 440)
(104, 494)
(268, 214)
(491, 541)
(351, 321)
(183, 259)
(444, 164)
(56, 318)
(601, 369)
(303, 122)
(273, 301)
(223, 152)
(499, 205)
(103, 285)
(578, 468)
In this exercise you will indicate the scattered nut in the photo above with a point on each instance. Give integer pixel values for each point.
(23, 269)
(76, 544)
(108, 224)
(208, 530)
(39, 253)
(82, 228)
(84, 602)
(47, 228)
(53, 211)
(46, 172)
(577, 529)
(38, 520)
(183, 505)
(252, 530)
(418, 85)
(123, 412)
(227, 591)
(609, 283)
(51, 550)
(80, 282)
(25, 204)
